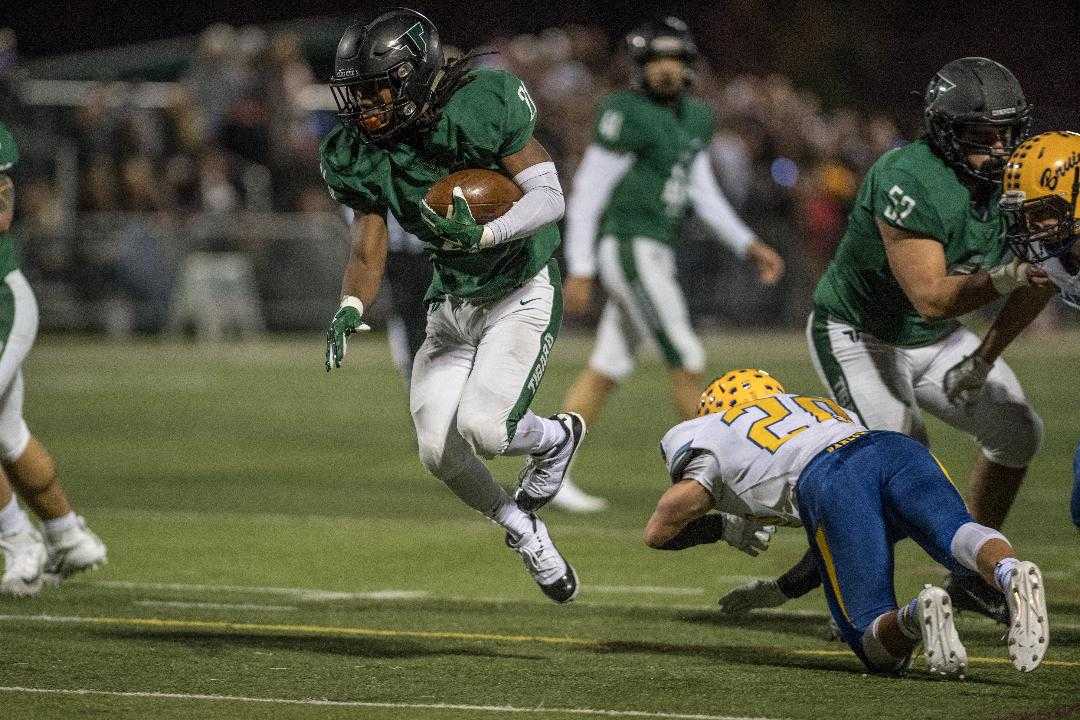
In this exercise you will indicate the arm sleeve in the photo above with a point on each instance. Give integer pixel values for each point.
(703, 468)
(360, 201)
(800, 579)
(706, 529)
(596, 178)
(712, 207)
(542, 203)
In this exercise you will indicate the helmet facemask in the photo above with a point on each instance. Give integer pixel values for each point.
(1039, 229)
(381, 106)
(959, 139)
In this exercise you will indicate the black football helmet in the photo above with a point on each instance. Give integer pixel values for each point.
(385, 73)
(667, 38)
(972, 104)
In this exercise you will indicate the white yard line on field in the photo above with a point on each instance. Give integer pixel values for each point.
(210, 605)
(386, 705)
(298, 593)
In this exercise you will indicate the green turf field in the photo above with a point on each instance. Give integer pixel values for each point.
(276, 550)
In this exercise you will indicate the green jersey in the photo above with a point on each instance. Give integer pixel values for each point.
(650, 200)
(9, 155)
(489, 118)
(913, 189)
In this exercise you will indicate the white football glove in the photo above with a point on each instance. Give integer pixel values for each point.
(747, 535)
(1010, 276)
(756, 594)
(965, 379)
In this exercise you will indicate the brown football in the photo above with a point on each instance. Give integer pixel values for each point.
(490, 194)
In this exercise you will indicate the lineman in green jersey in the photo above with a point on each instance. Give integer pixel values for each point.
(68, 546)
(924, 245)
(409, 119)
(646, 168)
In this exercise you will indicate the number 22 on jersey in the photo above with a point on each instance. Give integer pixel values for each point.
(761, 431)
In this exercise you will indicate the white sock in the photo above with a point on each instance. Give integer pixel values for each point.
(516, 521)
(60, 524)
(1003, 572)
(535, 435)
(13, 518)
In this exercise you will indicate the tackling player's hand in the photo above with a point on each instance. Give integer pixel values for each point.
(770, 266)
(965, 379)
(756, 594)
(576, 293)
(345, 322)
(459, 231)
(747, 535)
(1016, 274)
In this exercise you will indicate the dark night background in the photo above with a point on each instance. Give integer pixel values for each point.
(865, 53)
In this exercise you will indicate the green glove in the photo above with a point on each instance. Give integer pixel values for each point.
(459, 231)
(345, 322)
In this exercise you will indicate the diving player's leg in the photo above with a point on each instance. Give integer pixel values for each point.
(842, 511)
(1001, 419)
(922, 503)
(873, 379)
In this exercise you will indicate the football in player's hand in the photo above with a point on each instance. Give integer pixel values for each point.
(489, 194)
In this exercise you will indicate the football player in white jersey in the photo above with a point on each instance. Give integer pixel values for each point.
(758, 454)
(1042, 210)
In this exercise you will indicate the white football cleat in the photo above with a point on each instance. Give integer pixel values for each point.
(556, 577)
(543, 474)
(73, 550)
(573, 499)
(1029, 625)
(945, 654)
(24, 563)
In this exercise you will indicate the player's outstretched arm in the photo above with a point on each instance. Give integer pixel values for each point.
(712, 207)
(964, 380)
(919, 265)
(598, 174)
(359, 284)
(683, 507)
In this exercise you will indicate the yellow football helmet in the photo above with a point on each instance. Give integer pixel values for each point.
(737, 387)
(1042, 186)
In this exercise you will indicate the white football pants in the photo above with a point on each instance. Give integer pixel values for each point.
(474, 378)
(887, 385)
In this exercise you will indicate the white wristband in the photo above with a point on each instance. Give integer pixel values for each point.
(354, 302)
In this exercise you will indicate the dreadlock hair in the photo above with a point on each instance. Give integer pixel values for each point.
(452, 77)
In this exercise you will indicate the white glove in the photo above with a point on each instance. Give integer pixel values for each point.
(965, 379)
(1010, 276)
(747, 535)
(757, 594)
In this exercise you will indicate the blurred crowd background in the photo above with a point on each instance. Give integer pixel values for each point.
(210, 148)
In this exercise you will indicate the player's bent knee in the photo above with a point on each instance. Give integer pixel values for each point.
(13, 443)
(1016, 438)
(486, 435)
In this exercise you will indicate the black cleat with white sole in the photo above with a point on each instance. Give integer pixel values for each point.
(556, 577)
(970, 592)
(543, 474)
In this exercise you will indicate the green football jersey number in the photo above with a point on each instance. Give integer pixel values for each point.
(651, 199)
(491, 117)
(912, 189)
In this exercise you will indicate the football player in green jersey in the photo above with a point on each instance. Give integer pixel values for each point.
(646, 168)
(924, 245)
(68, 546)
(408, 119)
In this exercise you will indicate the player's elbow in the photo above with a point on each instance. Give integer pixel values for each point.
(655, 535)
(931, 306)
(558, 202)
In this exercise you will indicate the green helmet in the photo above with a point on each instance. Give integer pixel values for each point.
(975, 91)
(9, 153)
